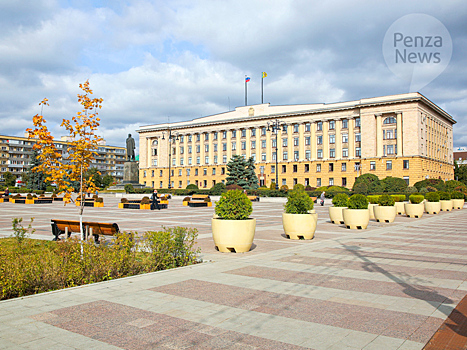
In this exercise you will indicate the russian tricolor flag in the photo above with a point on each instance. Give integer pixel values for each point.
(247, 79)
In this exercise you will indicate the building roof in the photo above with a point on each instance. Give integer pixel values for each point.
(265, 111)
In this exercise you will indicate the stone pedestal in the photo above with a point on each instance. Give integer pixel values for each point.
(131, 173)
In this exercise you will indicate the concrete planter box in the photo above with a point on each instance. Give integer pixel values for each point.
(400, 208)
(98, 205)
(372, 211)
(446, 205)
(356, 219)
(299, 226)
(234, 236)
(414, 210)
(336, 215)
(432, 207)
(457, 203)
(385, 213)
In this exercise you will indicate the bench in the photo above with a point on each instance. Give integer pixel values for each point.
(199, 200)
(253, 198)
(89, 228)
(43, 200)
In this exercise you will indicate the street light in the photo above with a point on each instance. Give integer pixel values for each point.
(275, 127)
(172, 138)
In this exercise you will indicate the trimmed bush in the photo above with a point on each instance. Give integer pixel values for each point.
(145, 200)
(444, 196)
(192, 187)
(298, 201)
(394, 184)
(436, 183)
(386, 201)
(284, 188)
(411, 189)
(29, 196)
(357, 201)
(340, 200)
(398, 197)
(129, 188)
(416, 198)
(432, 197)
(207, 199)
(217, 189)
(99, 200)
(373, 184)
(234, 205)
(186, 199)
(272, 186)
(123, 200)
(457, 195)
(373, 199)
(234, 187)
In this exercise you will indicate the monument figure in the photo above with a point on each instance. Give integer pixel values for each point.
(130, 148)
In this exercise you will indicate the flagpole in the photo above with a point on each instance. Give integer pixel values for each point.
(246, 101)
(262, 78)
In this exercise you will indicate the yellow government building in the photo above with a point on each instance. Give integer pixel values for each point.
(405, 136)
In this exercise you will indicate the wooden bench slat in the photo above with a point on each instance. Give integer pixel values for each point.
(98, 228)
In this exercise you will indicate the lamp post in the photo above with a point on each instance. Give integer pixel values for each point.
(275, 127)
(171, 139)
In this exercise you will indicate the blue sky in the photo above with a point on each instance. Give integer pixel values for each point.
(186, 59)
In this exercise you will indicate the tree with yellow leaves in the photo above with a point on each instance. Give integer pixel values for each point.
(82, 147)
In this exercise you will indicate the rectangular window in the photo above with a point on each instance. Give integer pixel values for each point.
(318, 168)
(214, 136)
(295, 168)
(295, 155)
(188, 172)
(224, 134)
(198, 160)
(174, 161)
(285, 155)
(284, 182)
(331, 181)
(253, 144)
(234, 146)
(215, 159)
(189, 160)
(224, 146)
(181, 149)
(284, 129)
(307, 154)
(205, 171)
(198, 137)
(196, 172)
(318, 182)
(160, 184)
(189, 149)
(358, 152)
(243, 145)
(319, 126)
(213, 171)
(406, 179)
(284, 142)
(344, 182)
(390, 149)
(307, 168)
(263, 131)
(372, 165)
(345, 123)
(332, 138)
(406, 164)
(181, 138)
(307, 127)
(224, 159)
(295, 128)
(331, 167)
(179, 172)
(320, 154)
(344, 167)
(263, 157)
(234, 133)
(319, 139)
(215, 147)
(206, 160)
(389, 165)
(273, 169)
(152, 174)
(274, 156)
(222, 171)
(181, 161)
(357, 122)
(332, 153)
(358, 137)
(332, 124)
(284, 168)
(345, 138)
(274, 143)
(206, 148)
(307, 140)
(206, 137)
(345, 152)
(263, 143)
(253, 132)
(189, 138)
(253, 155)
(198, 148)
(243, 132)
(160, 172)
(295, 141)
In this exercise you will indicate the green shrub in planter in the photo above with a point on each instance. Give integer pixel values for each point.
(298, 201)
(186, 199)
(444, 196)
(340, 200)
(207, 199)
(99, 200)
(432, 197)
(398, 197)
(29, 196)
(234, 205)
(457, 195)
(123, 200)
(416, 198)
(386, 201)
(145, 200)
(373, 199)
(357, 201)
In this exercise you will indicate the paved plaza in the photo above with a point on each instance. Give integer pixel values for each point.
(388, 287)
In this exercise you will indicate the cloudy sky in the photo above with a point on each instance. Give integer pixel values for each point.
(153, 59)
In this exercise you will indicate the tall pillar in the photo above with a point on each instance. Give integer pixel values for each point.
(301, 141)
(229, 145)
(338, 144)
(399, 134)
(351, 143)
(313, 140)
(325, 139)
(379, 135)
(148, 154)
(290, 146)
(248, 143)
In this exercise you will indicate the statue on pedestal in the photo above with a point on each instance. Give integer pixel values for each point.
(130, 148)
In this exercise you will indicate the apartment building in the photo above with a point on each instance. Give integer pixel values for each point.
(16, 152)
(405, 135)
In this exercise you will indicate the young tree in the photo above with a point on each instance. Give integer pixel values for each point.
(82, 148)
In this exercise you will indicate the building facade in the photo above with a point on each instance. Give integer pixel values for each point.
(16, 153)
(405, 136)
(460, 155)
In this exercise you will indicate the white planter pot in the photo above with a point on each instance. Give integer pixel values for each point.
(457, 203)
(400, 208)
(336, 215)
(385, 213)
(446, 205)
(371, 209)
(432, 207)
(414, 210)
(233, 235)
(299, 226)
(356, 218)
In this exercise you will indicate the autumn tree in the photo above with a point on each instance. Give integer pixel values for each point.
(82, 148)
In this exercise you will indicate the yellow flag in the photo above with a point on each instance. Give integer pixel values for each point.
(265, 74)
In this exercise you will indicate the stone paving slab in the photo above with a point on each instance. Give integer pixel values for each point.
(388, 287)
